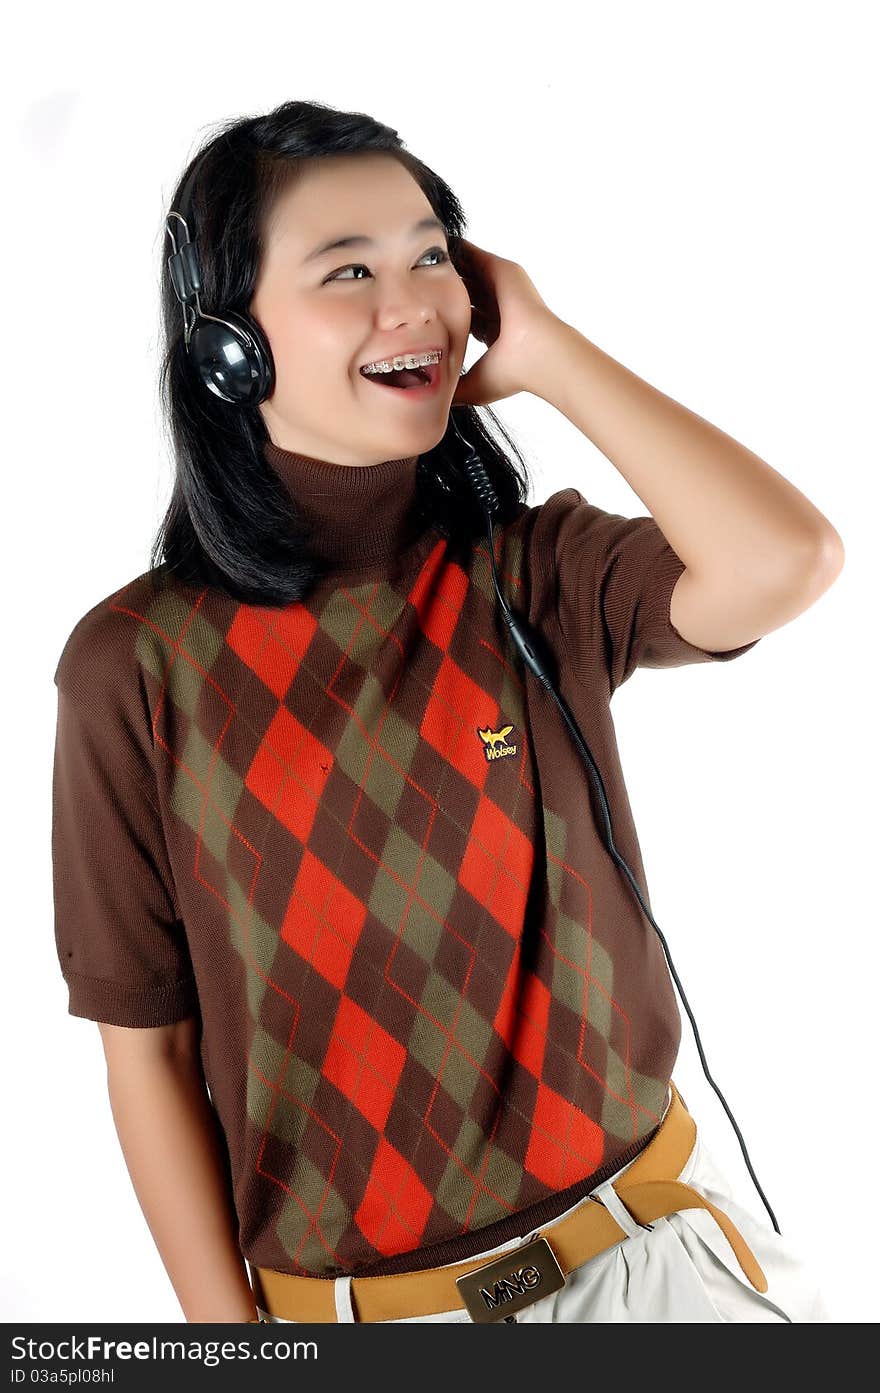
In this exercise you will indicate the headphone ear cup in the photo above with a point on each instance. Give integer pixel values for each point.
(262, 352)
(232, 358)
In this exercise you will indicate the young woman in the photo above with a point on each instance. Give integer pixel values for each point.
(382, 1009)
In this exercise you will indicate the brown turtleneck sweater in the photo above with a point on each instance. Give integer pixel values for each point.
(357, 839)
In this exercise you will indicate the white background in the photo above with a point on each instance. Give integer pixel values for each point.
(691, 186)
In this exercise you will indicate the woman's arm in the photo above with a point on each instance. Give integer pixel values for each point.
(757, 552)
(175, 1154)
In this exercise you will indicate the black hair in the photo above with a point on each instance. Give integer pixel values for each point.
(231, 522)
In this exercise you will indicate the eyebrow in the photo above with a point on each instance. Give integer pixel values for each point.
(361, 240)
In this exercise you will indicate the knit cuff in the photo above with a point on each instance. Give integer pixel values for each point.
(115, 1003)
(666, 639)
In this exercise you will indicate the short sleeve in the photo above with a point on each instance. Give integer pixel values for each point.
(614, 581)
(120, 940)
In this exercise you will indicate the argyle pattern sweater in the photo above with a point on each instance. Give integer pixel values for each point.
(357, 840)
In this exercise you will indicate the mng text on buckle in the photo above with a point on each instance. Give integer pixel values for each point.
(510, 1282)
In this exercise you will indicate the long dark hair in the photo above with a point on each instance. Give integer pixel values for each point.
(231, 523)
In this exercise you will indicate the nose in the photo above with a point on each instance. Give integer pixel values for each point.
(402, 302)
(399, 315)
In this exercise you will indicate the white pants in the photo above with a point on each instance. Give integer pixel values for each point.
(683, 1269)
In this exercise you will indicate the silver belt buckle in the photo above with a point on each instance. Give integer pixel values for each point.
(509, 1282)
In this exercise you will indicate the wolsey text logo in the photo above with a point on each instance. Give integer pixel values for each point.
(495, 742)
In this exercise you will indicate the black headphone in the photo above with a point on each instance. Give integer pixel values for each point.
(232, 357)
(229, 352)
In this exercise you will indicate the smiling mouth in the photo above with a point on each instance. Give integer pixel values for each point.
(419, 380)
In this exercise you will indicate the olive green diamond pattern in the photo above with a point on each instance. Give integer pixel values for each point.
(472, 1179)
(408, 876)
(619, 1116)
(312, 1238)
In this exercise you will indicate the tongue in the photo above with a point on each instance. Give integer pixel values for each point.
(403, 377)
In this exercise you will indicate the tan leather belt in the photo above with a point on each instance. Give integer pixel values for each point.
(513, 1279)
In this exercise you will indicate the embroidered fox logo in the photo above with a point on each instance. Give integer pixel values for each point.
(495, 742)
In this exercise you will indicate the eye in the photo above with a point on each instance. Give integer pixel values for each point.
(359, 266)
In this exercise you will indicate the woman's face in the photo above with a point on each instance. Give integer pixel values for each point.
(326, 315)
